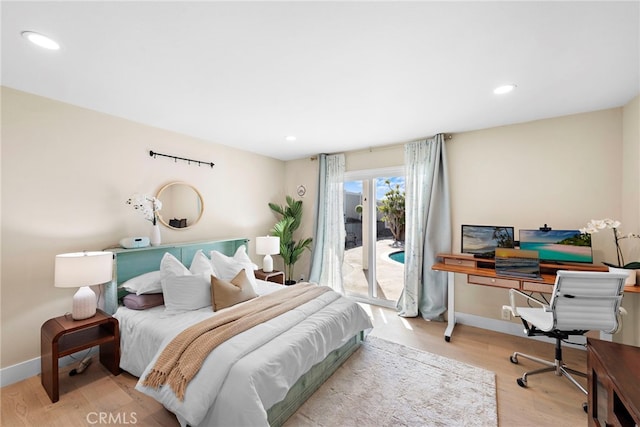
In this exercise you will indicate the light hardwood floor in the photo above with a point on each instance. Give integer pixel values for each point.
(548, 401)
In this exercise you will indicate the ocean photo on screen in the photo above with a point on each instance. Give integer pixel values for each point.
(484, 239)
(558, 245)
(517, 262)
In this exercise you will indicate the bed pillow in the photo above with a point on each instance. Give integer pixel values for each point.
(186, 293)
(201, 264)
(227, 293)
(241, 256)
(228, 267)
(170, 265)
(148, 283)
(142, 302)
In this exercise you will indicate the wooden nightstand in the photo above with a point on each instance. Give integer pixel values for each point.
(62, 336)
(274, 276)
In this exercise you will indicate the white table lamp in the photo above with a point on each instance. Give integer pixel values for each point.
(267, 246)
(83, 269)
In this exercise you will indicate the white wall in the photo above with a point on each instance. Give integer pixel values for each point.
(66, 173)
(562, 171)
(630, 218)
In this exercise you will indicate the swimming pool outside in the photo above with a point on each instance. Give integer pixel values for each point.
(397, 256)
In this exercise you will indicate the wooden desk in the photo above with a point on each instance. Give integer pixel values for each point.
(614, 383)
(480, 271)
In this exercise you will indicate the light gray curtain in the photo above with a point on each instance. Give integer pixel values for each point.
(329, 234)
(428, 229)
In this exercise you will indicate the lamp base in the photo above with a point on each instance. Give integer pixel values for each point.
(84, 304)
(267, 264)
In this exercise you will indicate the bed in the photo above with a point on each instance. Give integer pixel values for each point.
(272, 368)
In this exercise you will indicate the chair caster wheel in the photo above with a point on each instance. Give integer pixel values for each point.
(513, 359)
(521, 382)
(585, 406)
(447, 339)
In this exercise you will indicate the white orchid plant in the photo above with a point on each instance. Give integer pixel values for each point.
(596, 225)
(147, 205)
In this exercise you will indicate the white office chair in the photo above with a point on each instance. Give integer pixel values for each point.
(581, 302)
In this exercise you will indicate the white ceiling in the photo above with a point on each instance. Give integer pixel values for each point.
(338, 75)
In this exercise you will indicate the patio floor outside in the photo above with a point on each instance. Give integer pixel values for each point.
(390, 273)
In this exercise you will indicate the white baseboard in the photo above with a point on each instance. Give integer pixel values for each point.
(19, 372)
(22, 371)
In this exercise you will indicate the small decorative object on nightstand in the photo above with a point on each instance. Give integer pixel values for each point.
(272, 276)
(62, 336)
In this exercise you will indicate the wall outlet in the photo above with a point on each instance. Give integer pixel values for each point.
(506, 314)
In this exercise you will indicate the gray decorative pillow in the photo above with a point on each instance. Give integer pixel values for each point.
(142, 302)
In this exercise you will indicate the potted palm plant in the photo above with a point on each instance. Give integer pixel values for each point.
(290, 249)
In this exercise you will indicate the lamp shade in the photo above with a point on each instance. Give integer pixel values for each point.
(83, 269)
(267, 245)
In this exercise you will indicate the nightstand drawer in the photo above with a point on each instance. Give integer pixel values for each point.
(494, 281)
(537, 287)
(460, 262)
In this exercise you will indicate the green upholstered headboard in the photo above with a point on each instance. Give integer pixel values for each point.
(129, 263)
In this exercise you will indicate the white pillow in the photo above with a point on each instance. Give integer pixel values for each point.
(186, 293)
(147, 283)
(241, 256)
(201, 264)
(229, 267)
(170, 265)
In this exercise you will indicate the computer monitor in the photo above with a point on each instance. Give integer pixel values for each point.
(482, 240)
(558, 245)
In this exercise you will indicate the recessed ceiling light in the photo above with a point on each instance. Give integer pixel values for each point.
(501, 90)
(290, 138)
(40, 40)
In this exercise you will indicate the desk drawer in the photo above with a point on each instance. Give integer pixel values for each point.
(494, 281)
(460, 262)
(537, 287)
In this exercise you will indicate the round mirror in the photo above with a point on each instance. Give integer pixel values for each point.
(182, 205)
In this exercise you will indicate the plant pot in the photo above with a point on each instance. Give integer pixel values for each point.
(631, 275)
(289, 282)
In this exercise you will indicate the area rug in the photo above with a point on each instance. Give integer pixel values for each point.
(388, 384)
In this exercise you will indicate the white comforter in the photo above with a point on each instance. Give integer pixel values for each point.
(244, 377)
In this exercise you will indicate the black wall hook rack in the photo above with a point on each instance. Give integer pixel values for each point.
(175, 158)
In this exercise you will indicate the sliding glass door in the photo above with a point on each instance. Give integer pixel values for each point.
(374, 247)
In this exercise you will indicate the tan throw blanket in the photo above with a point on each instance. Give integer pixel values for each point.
(182, 358)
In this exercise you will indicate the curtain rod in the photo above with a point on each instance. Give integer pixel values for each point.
(447, 136)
